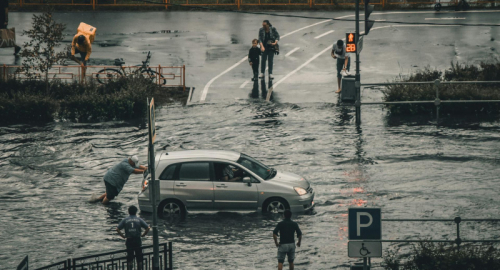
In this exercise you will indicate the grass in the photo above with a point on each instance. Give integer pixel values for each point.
(457, 72)
(125, 98)
(429, 256)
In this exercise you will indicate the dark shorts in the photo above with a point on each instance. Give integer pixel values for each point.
(111, 191)
(340, 66)
(82, 54)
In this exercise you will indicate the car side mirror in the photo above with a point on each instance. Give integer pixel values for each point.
(247, 180)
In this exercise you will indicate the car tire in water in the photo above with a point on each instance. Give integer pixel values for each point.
(171, 209)
(437, 7)
(275, 206)
(154, 76)
(107, 74)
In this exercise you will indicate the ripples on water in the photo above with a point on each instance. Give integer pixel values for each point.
(411, 170)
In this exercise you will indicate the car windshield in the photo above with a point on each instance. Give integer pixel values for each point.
(256, 167)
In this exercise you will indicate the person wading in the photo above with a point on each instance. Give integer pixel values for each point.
(343, 60)
(132, 225)
(116, 177)
(286, 246)
(268, 39)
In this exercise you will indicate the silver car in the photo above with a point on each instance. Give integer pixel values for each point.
(199, 180)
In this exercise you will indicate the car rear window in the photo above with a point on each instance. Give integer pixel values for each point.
(195, 171)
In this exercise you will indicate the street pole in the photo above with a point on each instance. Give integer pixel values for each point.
(365, 265)
(357, 82)
(152, 188)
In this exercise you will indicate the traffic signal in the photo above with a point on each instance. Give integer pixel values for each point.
(350, 42)
(368, 10)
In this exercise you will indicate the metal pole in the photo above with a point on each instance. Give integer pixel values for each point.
(365, 266)
(437, 102)
(156, 248)
(357, 82)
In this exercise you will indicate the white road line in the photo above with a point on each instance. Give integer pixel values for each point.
(322, 35)
(244, 83)
(330, 46)
(444, 18)
(205, 89)
(292, 51)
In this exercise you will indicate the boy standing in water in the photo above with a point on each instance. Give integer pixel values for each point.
(253, 58)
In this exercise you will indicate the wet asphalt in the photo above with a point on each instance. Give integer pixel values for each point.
(408, 167)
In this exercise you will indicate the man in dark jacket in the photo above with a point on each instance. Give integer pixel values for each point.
(268, 39)
(286, 245)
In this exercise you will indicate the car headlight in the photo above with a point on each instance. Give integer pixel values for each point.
(300, 191)
(145, 184)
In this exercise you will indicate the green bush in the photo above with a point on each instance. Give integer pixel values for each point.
(30, 101)
(457, 72)
(429, 256)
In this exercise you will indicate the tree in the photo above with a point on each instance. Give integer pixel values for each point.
(40, 52)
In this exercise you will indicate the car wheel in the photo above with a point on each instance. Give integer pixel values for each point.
(171, 209)
(275, 206)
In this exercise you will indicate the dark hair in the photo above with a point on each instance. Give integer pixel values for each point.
(340, 43)
(256, 40)
(81, 39)
(132, 210)
(268, 23)
(288, 213)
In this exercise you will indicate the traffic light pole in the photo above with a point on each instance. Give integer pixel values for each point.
(357, 83)
(152, 190)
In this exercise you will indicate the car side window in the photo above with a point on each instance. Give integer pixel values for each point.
(233, 173)
(195, 171)
(168, 173)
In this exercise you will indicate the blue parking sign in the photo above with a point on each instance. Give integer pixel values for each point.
(365, 224)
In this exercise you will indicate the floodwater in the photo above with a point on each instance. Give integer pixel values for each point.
(408, 167)
(409, 170)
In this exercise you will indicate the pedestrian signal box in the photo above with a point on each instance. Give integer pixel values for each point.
(350, 41)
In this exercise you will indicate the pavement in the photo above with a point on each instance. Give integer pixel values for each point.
(214, 45)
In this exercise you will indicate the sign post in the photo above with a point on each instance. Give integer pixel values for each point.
(364, 224)
(153, 184)
(24, 264)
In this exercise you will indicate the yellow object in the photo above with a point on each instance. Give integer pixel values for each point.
(87, 30)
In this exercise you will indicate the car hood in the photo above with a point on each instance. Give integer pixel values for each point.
(290, 179)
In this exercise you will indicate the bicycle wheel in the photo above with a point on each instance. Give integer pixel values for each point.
(107, 74)
(154, 76)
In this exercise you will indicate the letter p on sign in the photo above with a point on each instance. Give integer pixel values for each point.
(365, 224)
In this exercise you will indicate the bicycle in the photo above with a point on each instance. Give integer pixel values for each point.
(107, 74)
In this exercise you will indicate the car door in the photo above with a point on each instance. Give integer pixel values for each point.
(234, 195)
(194, 187)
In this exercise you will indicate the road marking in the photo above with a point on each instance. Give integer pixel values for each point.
(322, 35)
(292, 51)
(452, 18)
(205, 89)
(244, 83)
(269, 93)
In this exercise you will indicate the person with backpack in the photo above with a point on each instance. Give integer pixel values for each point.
(343, 60)
(268, 40)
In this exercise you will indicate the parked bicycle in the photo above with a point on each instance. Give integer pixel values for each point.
(107, 74)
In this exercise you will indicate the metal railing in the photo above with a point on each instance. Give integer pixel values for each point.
(458, 240)
(116, 260)
(437, 101)
(174, 76)
(235, 3)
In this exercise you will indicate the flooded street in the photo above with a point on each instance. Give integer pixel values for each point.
(410, 171)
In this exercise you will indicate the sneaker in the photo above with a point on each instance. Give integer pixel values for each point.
(271, 77)
(17, 50)
(261, 76)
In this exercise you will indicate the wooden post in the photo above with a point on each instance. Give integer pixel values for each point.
(93, 4)
(310, 3)
(239, 4)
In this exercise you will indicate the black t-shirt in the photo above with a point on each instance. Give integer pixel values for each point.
(253, 54)
(3, 5)
(267, 38)
(287, 229)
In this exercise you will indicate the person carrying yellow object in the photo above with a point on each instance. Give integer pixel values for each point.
(81, 44)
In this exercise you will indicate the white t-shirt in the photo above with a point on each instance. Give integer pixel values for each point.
(341, 54)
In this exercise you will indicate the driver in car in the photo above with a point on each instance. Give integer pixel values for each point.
(231, 175)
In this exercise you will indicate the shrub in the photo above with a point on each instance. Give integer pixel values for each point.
(429, 256)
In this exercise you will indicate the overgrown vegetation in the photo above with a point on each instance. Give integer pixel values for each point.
(429, 256)
(125, 98)
(457, 72)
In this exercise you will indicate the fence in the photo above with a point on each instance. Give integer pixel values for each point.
(162, 75)
(458, 240)
(115, 260)
(229, 3)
